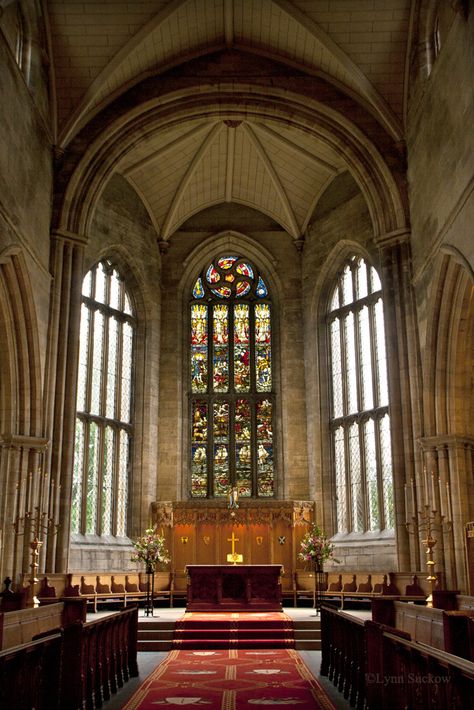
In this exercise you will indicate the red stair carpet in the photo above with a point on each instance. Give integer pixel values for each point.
(222, 630)
(231, 680)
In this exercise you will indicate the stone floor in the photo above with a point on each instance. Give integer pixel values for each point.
(147, 662)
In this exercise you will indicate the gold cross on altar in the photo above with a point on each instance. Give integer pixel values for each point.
(234, 557)
(233, 540)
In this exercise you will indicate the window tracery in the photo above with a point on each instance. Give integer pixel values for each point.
(360, 421)
(232, 401)
(104, 425)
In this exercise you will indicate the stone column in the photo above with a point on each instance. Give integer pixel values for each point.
(460, 500)
(67, 264)
(26, 502)
(451, 459)
(403, 380)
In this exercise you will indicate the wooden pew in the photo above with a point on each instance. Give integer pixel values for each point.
(451, 631)
(29, 674)
(20, 627)
(360, 588)
(391, 670)
(99, 589)
(79, 666)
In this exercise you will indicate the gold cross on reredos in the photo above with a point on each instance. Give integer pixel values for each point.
(233, 540)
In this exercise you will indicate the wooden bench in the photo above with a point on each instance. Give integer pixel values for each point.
(99, 589)
(358, 588)
(376, 666)
(77, 665)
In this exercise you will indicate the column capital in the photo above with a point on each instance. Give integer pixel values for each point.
(17, 441)
(445, 441)
(72, 237)
(390, 239)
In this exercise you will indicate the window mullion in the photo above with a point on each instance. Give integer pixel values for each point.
(373, 353)
(349, 516)
(115, 478)
(100, 478)
(358, 375)
(378, 456)
(85, 469)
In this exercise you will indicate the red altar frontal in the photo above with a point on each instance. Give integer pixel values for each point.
(234, 587)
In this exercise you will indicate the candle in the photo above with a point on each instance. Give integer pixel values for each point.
(433, 490)
(51, 500)
(425, 481)
(448, 499)
(406, 502)
(442, 503)
(42, 484)
(16, 506)
(29, 492)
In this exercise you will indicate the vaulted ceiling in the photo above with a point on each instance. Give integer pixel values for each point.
(102, 49)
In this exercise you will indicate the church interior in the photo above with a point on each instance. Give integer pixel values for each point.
(237, 294)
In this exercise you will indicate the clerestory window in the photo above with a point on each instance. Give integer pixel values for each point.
(360, 420)
(232, 400)
(104, 405)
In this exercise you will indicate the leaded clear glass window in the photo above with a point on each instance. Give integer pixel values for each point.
(360, 420)
(231, 382)
(104, 405)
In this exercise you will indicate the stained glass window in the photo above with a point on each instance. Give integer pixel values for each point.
(104, 405)
(232, 402)
(360, 422)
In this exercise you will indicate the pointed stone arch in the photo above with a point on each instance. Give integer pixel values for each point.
(20, 363)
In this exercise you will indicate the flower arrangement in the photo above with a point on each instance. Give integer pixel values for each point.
(316, 548)
(150, 549)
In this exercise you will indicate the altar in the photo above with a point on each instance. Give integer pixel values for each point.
(234, 587)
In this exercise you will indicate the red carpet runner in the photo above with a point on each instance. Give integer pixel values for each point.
(222, 630)
(231, 680)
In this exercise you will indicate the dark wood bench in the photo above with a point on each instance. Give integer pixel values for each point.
(99, 589)
(359, 588)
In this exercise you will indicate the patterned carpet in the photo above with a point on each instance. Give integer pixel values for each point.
(231, 680)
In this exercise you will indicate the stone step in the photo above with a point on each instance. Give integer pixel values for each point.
(157, 635)
(163, 634)
(163, 645)
(308, 634)
(307, 644)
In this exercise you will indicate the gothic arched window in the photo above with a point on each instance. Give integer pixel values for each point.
(360, 423)
(232, 402)
(104, 405)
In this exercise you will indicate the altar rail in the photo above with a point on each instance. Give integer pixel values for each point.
(77, 667)
(375, 665)
(104, 589)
